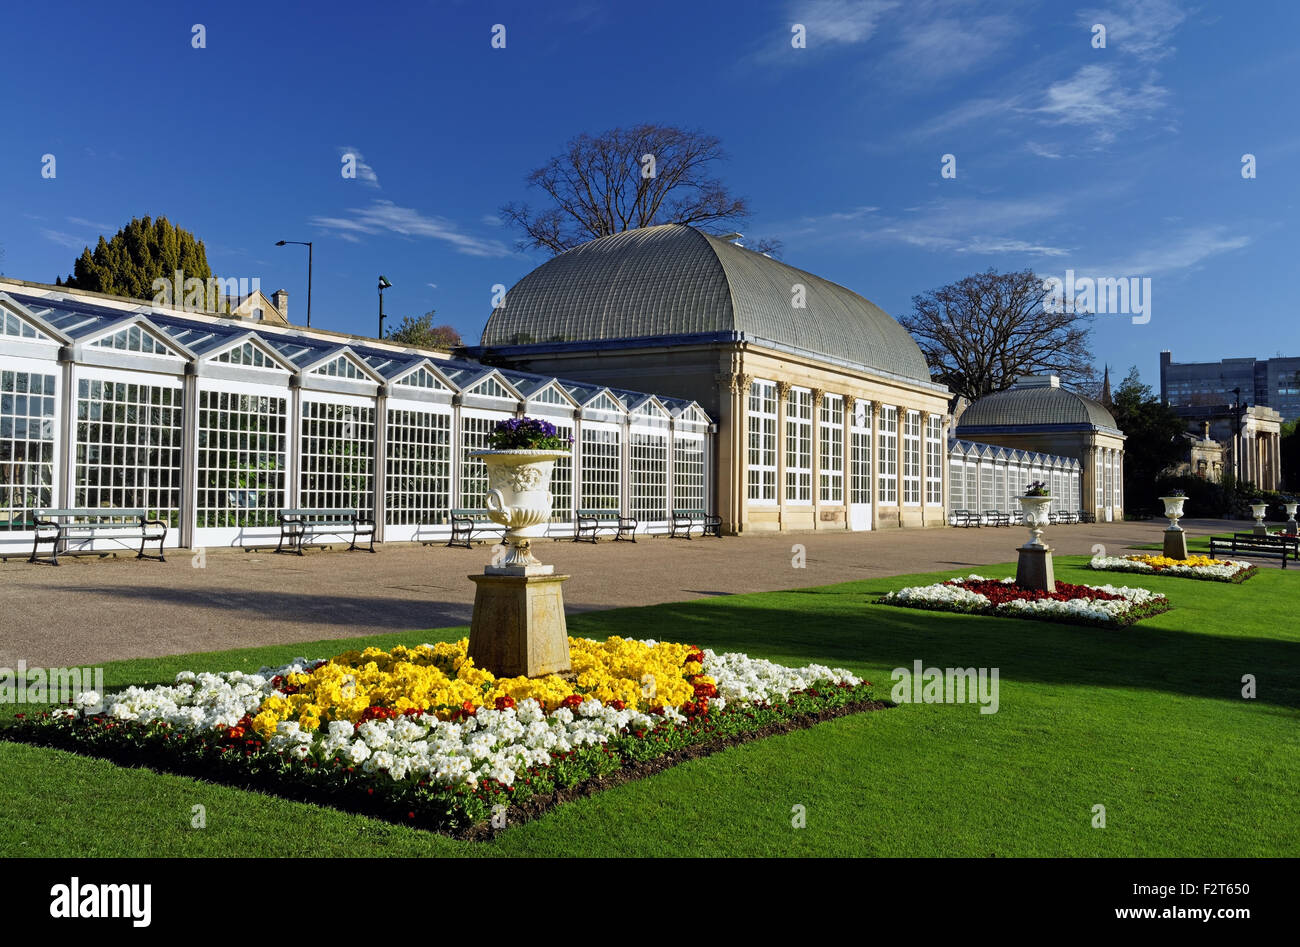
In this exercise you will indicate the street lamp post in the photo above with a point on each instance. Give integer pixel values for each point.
(307, 244)
(383, 285)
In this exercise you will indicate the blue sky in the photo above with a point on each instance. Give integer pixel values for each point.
(1120, 162)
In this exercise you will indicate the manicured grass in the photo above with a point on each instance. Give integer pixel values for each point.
(1148, 721)
(1195, 544)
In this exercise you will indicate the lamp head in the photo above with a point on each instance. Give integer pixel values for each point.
(384, 284)
(279, 243)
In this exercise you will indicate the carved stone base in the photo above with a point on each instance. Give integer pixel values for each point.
(519, 627)
(1260, 530)
(1175, 544)
(1034, 569)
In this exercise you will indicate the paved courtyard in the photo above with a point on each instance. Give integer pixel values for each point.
(91, 610)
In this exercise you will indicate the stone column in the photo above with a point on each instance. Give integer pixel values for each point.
(900, 420)
(874, 466)
(818, 395)
(782, 397)
(925, 455)
(733, 474)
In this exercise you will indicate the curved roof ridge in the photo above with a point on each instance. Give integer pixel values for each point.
(673, 280)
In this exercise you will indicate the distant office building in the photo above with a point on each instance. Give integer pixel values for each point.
(1271, 382)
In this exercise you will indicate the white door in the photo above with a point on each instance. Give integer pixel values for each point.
(860, 467)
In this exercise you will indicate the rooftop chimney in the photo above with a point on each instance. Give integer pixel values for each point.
(280, 300)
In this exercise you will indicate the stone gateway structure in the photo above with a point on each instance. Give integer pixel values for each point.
(827, 416)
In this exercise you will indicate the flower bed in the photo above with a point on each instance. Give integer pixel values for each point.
(1193, 567)
(1105, 605)
(424, 736)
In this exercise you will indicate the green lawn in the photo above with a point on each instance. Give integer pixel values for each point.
(1147, 721)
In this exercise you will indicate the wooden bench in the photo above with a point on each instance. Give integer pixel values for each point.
(685, 520)
(966, 518)
(589, 523)
(1086, 517)
(60, 527)
(998, 518)
(468, 524)
(298, 526)
(1256, 547)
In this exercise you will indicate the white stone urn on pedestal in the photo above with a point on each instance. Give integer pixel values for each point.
(519, 498)
(1174, 510)
(1259, 509)
(1035, 516)
(1290, 507)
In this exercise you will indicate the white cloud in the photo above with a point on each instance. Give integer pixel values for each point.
(1043, 151)
(385, 216)
(365, 173)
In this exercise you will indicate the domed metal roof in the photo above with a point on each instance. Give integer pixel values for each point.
(674, 280)
(1034, 402)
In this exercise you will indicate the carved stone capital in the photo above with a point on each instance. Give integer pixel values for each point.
(783, 389)
(817, 395)
(740, 383)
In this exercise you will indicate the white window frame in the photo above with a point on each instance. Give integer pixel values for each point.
(887, 449)
(761, 443)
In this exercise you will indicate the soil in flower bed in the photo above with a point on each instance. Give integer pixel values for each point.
(467, 813)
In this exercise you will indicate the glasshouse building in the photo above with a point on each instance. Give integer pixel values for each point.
(214, 424)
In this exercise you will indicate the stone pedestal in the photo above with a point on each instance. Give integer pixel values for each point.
(518, 627)
(1292, 527)
(1175, 544)
(1260, 530)
(1034, 569)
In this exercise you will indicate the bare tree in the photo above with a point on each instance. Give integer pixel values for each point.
(983, 332)
(627, 178)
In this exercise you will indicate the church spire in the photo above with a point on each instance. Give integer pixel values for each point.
(1105, 388)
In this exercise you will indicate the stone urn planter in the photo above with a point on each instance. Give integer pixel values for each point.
(519, 628)
(519, 498)
(1175, 540)
(1035, 516)
(1174, 510)
(1259, 509)
(1290, 507)
(1034, 560)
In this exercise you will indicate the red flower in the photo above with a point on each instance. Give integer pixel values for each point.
(505, 703)
(573, 701)
(617, 704)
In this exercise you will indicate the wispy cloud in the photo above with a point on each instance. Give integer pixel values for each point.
(962, 225)
(83, 222)
(1175, 251)
(936, 44)
(71, 241)
(365, 173)
(1138, 28)
(1043, 151)
(1097, 96)
(840, 22)
(386, 217)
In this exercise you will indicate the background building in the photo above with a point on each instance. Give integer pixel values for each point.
(215, 423)
(1248, 441)
(1038, 415)
(1272, 382)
